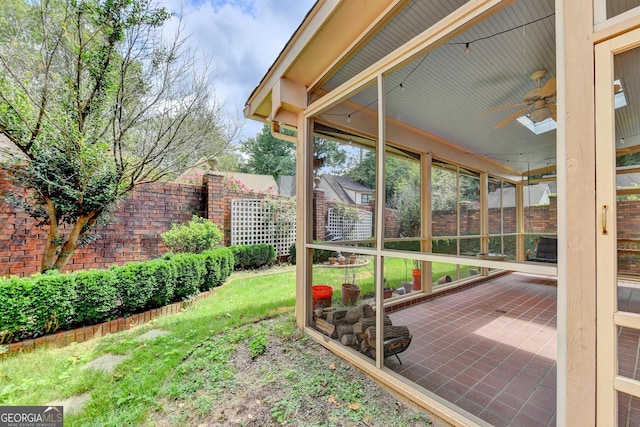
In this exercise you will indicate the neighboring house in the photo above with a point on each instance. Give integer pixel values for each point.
(246, 181)
(287, 185)
(257, 183)
(345, 190)
(336, 189)
(490, 91)
(533, 195)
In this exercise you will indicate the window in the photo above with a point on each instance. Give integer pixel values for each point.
(365, 198)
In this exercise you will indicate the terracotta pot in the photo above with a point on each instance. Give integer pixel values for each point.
(350, 293)
(444, 279)
(332, 260)
(407, 286)
(388, 292)
(353, 259)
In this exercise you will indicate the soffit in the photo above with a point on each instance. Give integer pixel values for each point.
(328, 33)
(447, 92)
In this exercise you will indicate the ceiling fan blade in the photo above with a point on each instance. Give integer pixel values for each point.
(504, 107)
(549, 88)
(511, 117)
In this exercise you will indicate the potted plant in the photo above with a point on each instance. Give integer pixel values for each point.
(387, 292)
(406, 284)
(415, 273)
(350, 290)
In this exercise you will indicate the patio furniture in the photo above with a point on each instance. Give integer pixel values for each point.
(392, 347)
(546, 250)
(395, 346)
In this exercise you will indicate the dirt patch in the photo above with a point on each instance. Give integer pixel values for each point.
(295, 381)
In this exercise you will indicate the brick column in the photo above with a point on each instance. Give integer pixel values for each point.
(320, 211)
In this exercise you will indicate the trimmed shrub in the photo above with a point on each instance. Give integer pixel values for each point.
(97, 296)
(319, 255)
(164, 272)
(41, 304)
(253, 256)
(53, 301)
(197, 236)
(135, 283)
(14, 315)
(190, 274)
(213, 273)
(227, 263)
(219, 265)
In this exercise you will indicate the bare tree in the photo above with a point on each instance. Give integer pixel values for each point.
(98, 102)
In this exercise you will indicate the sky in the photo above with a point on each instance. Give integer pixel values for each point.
(242, 39)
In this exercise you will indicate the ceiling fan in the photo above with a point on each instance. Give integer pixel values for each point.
(537, 104)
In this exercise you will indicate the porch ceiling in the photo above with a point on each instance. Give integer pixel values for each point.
(448, 92)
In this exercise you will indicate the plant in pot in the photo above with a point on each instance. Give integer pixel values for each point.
(406, 284)
(387, 291)
(350, 290)
(415, 273)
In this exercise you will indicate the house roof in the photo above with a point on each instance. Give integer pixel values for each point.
(256, 183)
(336, 188)
(537, 194)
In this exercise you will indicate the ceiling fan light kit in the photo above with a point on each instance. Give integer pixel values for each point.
(540, 112)
(537, 104)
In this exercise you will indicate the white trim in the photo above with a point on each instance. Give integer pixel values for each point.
(607, 375)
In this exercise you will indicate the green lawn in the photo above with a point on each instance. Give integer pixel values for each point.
(184, 375)
(125, 397)
(396, 271)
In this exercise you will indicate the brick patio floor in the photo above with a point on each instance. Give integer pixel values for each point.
(490, 349)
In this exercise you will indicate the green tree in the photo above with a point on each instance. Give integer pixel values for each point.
(272, 156)
(95, 102)
(398, 173)
(334, 157)
(268, 155)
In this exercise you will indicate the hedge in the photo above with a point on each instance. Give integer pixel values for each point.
(253, 256)
(43, 303)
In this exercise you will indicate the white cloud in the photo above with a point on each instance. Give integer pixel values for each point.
(242, 39)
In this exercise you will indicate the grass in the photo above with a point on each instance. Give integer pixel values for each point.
(396, 271)
(125, 397)
(192, 366)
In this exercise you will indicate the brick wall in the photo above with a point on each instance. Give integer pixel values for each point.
(134, 236)
(151, 209)
(537, 220)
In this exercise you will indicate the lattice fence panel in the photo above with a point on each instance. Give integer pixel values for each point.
(350, 229)
(253, 222)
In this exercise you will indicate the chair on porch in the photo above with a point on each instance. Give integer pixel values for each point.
(395, 346)
(392, 347)
(546, 250)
